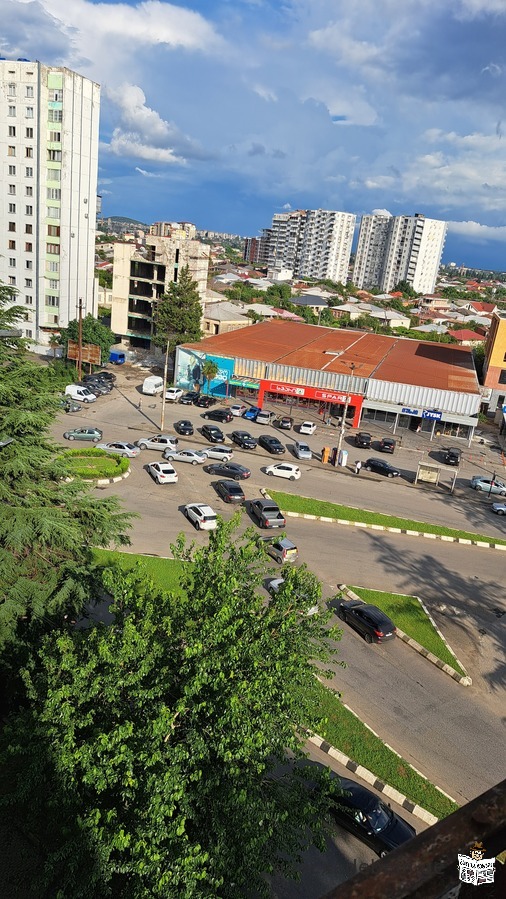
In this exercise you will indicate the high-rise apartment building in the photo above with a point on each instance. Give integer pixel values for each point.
(142, 275)
(399, 248)
(179, 230)
(256, 249)
(49, 155)
(311, 243)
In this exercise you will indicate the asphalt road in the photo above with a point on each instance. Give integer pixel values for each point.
(452, 734)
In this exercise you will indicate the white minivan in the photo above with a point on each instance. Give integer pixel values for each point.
(81, 393)
(152, 385)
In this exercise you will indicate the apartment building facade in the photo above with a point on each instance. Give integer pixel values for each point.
(399, 248)
(176, 230)
(49, 118)
(494, 366)
(311, 243)
(141, 277)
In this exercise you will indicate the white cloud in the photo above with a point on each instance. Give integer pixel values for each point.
(147, 174)
(476, 231)
(265, 93)
(130, 144)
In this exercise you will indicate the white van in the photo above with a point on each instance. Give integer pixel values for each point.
(152, 385)
(81, 393)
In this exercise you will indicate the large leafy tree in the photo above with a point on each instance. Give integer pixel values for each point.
(11, 316)
(178, 314)
(151, 760)
(93, 332)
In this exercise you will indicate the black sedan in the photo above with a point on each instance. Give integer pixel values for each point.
(212, 433)
(203, 401)
(229, 470)
(271, 444)
(223, 415)
(230, 492)
(243, 439)
(184, 427)
(371, 622)
(189, 398)
(382, 467)
(364, 815)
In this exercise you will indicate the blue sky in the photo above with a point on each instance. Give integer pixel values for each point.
(223, 112)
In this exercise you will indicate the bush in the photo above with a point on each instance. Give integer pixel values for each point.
(93, 464)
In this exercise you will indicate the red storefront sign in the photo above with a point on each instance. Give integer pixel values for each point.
(312, 393)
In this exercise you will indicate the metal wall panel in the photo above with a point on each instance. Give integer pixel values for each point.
(311, 378)
(423, 397)
(249, 368)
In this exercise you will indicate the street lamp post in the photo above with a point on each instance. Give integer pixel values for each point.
(164, 391)
(343, 420)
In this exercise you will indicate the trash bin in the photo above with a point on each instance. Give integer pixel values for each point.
(333, 456)
(343, 458)
(325, 453)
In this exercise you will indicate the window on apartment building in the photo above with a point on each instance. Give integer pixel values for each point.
(28, 264)
(12, 280)
(28, 299)
(28, 247)
(12, 262)
(12, 245)
(12, 131)
(12, 208)
(11, 226)
(29, 112)
(53, 266)
(11, 90)
(53, 193)
(11, 151)
(28, 282)
(29, 133)
(56, 95)
(29, 90)
(28, 210)
(55, 115)
(54, 174)
(502, 377)
(53, 212)
(53, 284)
(11, 111)
(12, 170)
(28, 191)
(54, 155)
(28, 171)
(53, 248)
(28, 332)
(54, 137)
(29, 152)
(53, 230)
(12, 189)
(52, 300)
(28, 229)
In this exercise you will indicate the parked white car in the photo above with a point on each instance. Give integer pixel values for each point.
(173, 394)
(307, 427)
(128, 450)
(302, 450)
(163, 472)
(223, 453)
(195, 457)
(284, 470)
(238, 409)
(202, 516)
(158, 442)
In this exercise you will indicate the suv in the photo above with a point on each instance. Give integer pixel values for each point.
(452, 455)
(387, 445)
(212, 433)
(363, 439)
(281, 550)
(204, 401)
(223, 415)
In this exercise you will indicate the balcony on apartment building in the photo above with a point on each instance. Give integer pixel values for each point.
(138, 327)
(140, 308)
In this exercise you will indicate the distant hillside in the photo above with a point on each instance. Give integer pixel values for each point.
(123, 220)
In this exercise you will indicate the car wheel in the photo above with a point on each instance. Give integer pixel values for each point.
(342, 615)
(368, 468)
(292, 477)
(502, 493)
(96, 439)
(142, 446)
(124, 455)
(478, 488)
(206, 416)
(169, 458)
(383, 853)
(71, 437)
(197, 525)
(194, 461)
(185, 513)
(237, 477)
(390, 474)
(368, 638)
(500, 512)
(270, 473)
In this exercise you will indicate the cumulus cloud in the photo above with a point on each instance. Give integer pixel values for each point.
(478, 232)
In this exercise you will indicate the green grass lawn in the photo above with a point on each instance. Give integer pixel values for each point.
(306, 506)
(164, 572)
(94, 463)
(407, 613)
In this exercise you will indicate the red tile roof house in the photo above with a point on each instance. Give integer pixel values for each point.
(482, 308)
(466, 337)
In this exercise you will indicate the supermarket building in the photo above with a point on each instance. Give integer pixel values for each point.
(406, 384)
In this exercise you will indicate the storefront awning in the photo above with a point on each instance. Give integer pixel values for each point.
(238, 382)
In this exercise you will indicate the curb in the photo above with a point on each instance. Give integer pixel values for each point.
(371, 779)
(104, 482)
(464, 681)
(380, 527)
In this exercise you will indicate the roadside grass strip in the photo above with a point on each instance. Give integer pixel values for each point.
(408, 614)
(343, 730)
(164, 572)
(322, 509)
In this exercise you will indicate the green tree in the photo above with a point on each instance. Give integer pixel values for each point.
(105, 278)
(210, 369)
(11, 343)
(479, 360)
(279, 291)
(179, 312)
(151, 757)
(93, 332)
(405, 288)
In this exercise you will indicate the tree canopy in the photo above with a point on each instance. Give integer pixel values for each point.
(11, 316)
(93, 332)
(178, 314)
(150, 759)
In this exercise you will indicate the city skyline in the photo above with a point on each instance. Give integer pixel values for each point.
(224, 114)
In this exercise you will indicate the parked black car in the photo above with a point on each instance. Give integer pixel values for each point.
(230, 492)
(364, 815)
(100, 376)
(363, 439)
(189, 398)
(452, 455)
(371, 622)
(184, 427)
(387, 445)
(204, 401)
(212, 433)
(382, 467)
(229, 470)
(243, 439)
(223, 415)
(99, 388)
(271, 444)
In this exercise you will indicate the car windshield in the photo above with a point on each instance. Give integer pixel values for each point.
(379, 817)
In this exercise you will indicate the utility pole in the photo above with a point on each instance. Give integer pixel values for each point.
(343, 420)
(80, 340)
(164, 391)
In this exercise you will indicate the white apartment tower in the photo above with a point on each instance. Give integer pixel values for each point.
(399, 248)
(312, 243)
(49, 120)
